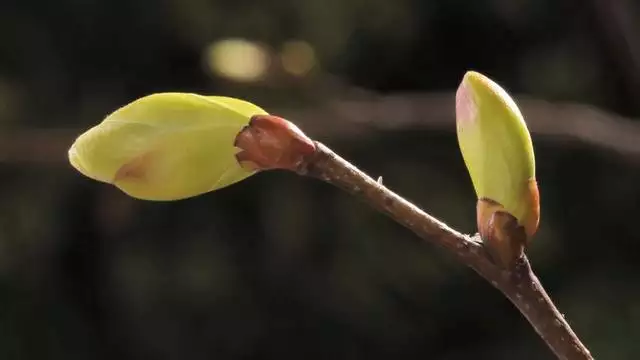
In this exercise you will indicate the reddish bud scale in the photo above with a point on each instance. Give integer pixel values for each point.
(271, 142)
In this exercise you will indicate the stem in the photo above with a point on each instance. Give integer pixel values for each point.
(519, 284)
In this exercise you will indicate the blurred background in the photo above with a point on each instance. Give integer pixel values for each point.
(284, 267)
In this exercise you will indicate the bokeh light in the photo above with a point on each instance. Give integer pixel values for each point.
(297, 57)
(237, 59)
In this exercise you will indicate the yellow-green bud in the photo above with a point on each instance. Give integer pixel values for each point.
(498, 151)
(167, 146)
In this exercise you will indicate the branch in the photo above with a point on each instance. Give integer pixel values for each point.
(520, 285)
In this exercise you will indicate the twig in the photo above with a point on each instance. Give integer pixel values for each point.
(520, 285)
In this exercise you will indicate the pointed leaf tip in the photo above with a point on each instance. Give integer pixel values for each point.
(465, 104)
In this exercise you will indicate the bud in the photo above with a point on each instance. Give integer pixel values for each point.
(167, 146)
(498, 152)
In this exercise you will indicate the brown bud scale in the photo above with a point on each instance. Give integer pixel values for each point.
(271, 142)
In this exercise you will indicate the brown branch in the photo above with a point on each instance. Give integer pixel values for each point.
(520, 284)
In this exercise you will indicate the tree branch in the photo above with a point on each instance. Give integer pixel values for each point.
(520, 284)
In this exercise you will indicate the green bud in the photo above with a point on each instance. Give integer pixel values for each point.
(498, 152)
(167, 146)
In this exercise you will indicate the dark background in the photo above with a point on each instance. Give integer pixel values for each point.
(284, 267)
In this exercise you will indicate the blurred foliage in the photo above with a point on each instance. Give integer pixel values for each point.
(286, 267)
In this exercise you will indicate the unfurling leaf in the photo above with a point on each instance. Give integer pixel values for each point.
(167, 146)
(498, 152)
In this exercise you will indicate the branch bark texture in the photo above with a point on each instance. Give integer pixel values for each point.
(519, 284)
